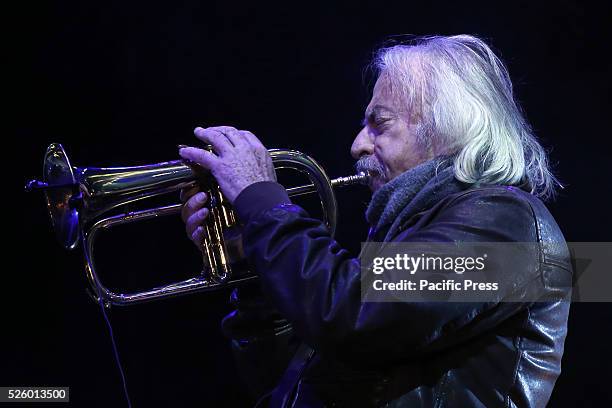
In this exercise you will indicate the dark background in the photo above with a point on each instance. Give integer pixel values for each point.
(122, 83)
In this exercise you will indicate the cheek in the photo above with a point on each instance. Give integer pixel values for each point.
(398, 154)
(391, 158)
(396, 163)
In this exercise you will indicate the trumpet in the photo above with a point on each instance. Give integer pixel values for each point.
(80, 198)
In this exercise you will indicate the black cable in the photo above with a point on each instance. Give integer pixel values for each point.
(115, 351)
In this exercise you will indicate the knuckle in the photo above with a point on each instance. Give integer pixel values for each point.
(213, 136)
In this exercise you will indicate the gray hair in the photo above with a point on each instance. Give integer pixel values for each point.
(459, 96)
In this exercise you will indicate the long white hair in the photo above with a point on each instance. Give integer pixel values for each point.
(459, 95)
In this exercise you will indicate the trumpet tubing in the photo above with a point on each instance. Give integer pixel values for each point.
(78, 199)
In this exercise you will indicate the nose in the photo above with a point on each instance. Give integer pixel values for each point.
(362, 144)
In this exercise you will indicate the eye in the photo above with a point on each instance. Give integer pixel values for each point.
(380, 122)
(377, 122)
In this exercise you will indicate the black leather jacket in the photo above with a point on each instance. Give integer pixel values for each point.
(358, 354)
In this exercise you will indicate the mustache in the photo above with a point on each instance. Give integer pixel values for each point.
(371, 165)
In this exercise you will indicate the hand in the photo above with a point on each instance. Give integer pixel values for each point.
(240, 159)
(194, 214)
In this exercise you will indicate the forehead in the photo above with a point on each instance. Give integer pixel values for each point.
(382, 96)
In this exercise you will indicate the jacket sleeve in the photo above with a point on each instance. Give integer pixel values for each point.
(315, 283)
(262, 340)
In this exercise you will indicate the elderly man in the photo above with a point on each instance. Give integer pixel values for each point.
(451, 159)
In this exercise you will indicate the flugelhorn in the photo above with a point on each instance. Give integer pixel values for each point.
(80, 198)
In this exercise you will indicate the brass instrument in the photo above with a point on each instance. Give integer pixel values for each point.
(79, 197)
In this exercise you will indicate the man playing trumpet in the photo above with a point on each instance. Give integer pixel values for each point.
(451, 159)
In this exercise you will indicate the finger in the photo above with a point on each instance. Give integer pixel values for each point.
(202, 157)
(234, 135)
(194, 204)
(217, 139)
(195, 220)
(188, 192)
(198, 236)
(252, 139)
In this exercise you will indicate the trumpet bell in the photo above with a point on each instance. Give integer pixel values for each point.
(57, 172)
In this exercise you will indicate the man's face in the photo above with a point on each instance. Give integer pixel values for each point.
(387, 145)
